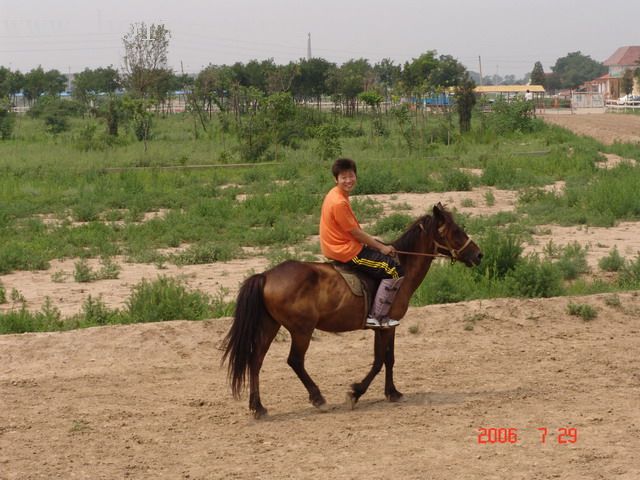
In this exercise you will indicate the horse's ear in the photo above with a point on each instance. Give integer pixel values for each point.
(438, 212)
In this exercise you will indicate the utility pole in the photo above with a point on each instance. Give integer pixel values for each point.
(309, 47)
(480, 65)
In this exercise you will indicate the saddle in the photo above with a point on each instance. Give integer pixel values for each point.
(360, 284)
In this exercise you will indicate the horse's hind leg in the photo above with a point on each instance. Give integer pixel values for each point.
(390, 391)
(299, 346)
(269, 331)
(381, 342)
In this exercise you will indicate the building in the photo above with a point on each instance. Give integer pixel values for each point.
(623, 59)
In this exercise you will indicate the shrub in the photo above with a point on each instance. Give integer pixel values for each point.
(511, 116)
(86, 211)
(328, 137)
(55, 112)
(19, 255)
(394, 224)
(613, 301)
(3, 294)
(165, 299)
(573, 261)
(613, 262)
(446, 283)
(95, 312)
(582, 310)
(82, 272)
(22, 321)
(109, 270)
(501, 252)
(535, 278)
(7, 120)
(629, 276)
(489, 198)
(457, 181)
(204, 253)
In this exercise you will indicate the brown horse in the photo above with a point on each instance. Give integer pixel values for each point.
(303, 296)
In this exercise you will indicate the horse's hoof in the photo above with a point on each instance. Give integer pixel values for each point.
(320, 404)
(260, 413)
(395, 397)
(352, 400)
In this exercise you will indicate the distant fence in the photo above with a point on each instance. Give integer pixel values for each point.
(614, 106)
(587, 100)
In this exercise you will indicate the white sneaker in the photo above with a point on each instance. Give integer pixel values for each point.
(372, 322)
(389, 323)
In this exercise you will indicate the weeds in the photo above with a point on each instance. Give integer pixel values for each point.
(629, 275)
(489, 198)
(614, 262)
(414, 329)
(582, 310)
(613, 301)
(160, 300)
(83, 273)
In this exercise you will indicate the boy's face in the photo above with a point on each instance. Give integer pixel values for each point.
(346, 181)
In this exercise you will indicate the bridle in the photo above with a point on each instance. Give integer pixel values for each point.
(454, 253)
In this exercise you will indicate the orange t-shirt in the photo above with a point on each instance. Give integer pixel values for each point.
(336, 220)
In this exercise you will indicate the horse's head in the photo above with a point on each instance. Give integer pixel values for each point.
(451, 240)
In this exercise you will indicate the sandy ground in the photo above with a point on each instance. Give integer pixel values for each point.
(605, 127)
(151, 401)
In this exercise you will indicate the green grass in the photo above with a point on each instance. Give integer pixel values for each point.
(150, 301)
(58, 199)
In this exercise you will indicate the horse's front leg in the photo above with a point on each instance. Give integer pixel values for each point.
(390, 391)
(381, 342)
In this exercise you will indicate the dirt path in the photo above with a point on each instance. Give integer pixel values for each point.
(604, 127)
(150, 401)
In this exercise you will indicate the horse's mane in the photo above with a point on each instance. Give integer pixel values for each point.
(407, 240)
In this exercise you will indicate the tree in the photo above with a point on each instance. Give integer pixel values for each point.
(352, 78)
(465, 101)
(281, 78)
(448, 72)
(575, 69)
(38, 82)
(7, 119)
(627, 81)
(387, 75)
(88, 84)
(138, 110)
(311, 82)
(537, 75)
(416, 73)
(15, 84)
(145, 59)
(5, 75)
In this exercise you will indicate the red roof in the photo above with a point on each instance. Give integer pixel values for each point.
(604, 77)
(624, 56)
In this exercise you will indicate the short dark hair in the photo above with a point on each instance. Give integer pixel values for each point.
(343, 165)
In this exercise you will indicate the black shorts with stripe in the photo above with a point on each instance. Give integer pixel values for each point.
(376, 264)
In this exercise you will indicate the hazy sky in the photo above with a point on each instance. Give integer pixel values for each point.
(509, 36)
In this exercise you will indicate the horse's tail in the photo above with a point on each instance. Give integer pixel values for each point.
(241, 341)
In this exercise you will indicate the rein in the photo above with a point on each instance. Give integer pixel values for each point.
(423, 254)
(455, 253)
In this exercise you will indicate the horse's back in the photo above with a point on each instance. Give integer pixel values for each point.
(294, 277)
(311, 294)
